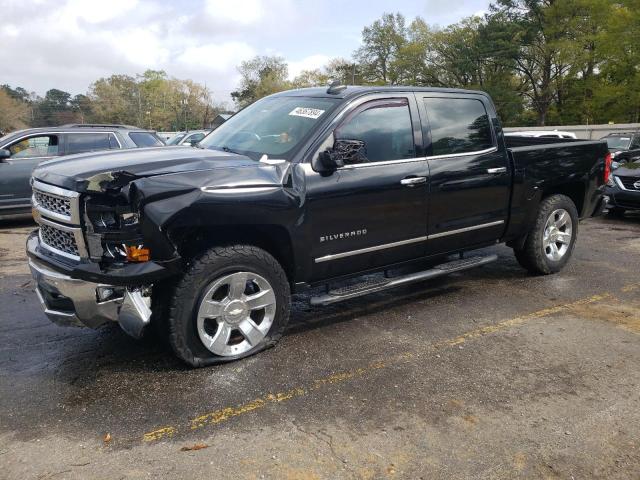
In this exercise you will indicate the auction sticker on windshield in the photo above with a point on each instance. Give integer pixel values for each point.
(306, 112)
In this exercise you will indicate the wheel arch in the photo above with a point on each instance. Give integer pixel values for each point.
(574, 190)
(274, 239)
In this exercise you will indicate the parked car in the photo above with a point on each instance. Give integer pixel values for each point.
(22, 151)
(191, 137)
(623, 187)
(624, 147)
(302, 189)
(542, 134)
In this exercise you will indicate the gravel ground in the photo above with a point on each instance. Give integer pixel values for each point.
(490, 373)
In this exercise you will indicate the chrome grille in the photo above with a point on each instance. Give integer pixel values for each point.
(52, 203)
(61, 240)
(629, 182)
(58, 212)
(56, 202)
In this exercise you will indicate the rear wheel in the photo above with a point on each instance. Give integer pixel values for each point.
(550, 243)
(233, 302)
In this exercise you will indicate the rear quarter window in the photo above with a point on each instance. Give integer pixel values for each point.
(145, 139)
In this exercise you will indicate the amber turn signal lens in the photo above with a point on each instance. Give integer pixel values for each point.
(138, 254)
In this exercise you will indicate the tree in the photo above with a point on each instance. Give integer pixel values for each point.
(14, 113)
(534, 27)
(115, 99)
(54, 109)
(260, 76)
(338, 69)
(413, 61)
(381, 44)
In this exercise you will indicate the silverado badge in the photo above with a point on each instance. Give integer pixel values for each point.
(340, 236)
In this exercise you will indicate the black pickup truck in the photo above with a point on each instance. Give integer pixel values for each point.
(302, 189)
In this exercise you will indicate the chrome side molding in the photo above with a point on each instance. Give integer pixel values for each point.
(336, 256)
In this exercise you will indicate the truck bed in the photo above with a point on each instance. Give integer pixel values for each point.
(543, 165)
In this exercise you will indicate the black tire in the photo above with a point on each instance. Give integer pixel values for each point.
(616, 212)
(189, 290)
(532, 256)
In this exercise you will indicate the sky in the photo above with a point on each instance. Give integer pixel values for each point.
(68, 44)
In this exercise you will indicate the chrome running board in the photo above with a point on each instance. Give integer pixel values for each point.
(353, 291)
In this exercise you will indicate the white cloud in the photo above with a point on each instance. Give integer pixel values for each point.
(308, 63)
(239, 12)
(68, 44)
(97, 12)
(219, 57)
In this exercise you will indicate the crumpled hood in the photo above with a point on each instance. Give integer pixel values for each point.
(100, 171)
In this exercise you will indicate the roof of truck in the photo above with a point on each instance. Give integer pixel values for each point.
(347, 91)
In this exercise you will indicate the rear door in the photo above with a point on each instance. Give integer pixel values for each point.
(469, 175)
(371, 213)
(15, 172)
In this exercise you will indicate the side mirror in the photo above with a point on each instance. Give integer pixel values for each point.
(193, 142)
(615, 165)
(343, 152)
(4, 154)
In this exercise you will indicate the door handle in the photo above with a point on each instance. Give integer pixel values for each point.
(497, 170)
(413, 181)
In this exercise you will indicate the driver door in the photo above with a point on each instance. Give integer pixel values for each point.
(15, 171)
(372, 212)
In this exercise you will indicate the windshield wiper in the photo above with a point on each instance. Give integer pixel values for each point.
(229, 150)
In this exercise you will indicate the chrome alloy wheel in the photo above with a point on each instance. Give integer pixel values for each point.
(236, 313)
(556, 238)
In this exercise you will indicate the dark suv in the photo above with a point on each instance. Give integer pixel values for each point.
(22, 151)
(624, 147)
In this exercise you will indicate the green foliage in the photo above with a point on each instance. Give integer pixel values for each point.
(260, 76)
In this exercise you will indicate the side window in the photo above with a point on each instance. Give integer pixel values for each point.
(145, 139)
(87, 142)
(635, 143)
(195, 138)
(385, 128)
(458, 125)
(38, 146)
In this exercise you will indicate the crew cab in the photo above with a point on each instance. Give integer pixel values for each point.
(302, 189)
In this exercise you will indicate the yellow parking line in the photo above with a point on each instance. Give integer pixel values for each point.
(223, 414)
(164, 432)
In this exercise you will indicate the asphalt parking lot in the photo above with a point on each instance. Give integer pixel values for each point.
(490, 373)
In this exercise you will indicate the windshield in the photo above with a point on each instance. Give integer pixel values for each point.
(175, 139)
(275, 127)
(619, 143)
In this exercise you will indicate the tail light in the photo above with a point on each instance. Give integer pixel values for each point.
(607, 167)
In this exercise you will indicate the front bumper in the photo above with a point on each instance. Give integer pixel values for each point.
(69, 301)
(623, 198)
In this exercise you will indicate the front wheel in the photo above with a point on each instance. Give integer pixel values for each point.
(233, 302)
(551, 241)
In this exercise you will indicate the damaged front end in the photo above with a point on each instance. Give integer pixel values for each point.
(91, 259)
(113, 225)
